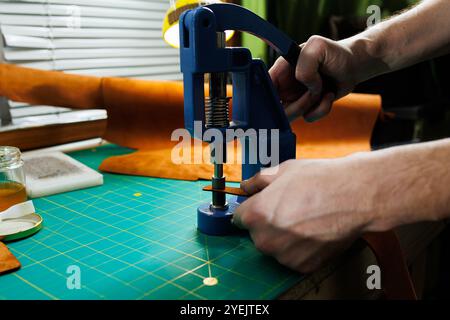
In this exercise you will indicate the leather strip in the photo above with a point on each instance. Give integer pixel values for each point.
(8, 262)
(395, 277)
(228, 190)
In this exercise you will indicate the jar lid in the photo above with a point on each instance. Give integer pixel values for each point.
(15, 229)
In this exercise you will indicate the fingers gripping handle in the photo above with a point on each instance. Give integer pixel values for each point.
(233, 17)
(293, 56)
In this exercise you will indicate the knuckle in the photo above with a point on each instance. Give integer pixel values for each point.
(264, 179)
(316, 43)
(256, 178)
(270, 173)
(258, 212)
(246, 185)
(254, 216)
(258, 209)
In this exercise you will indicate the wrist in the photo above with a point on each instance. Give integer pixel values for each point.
(368, 56)
(408, 185)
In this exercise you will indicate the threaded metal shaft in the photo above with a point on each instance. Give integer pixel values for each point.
(217, 116)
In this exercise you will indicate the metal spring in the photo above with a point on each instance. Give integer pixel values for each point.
(216, 112)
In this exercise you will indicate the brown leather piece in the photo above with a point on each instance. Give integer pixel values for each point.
(50, 87)
(228, 190)
(158, 163)
(8, 262)
(395, 277)
(142, 114)
(348, 129)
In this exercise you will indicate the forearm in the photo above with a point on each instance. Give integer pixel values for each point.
(420, 33)
(411, 184)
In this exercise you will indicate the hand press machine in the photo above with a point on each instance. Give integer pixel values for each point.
(255, 104)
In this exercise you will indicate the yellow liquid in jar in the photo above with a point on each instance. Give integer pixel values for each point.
(11, 193)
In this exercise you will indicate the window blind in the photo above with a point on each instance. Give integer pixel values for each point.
(119, 38)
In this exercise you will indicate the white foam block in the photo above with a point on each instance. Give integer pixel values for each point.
(50, 173)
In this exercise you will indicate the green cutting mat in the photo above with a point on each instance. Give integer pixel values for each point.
(136, 238)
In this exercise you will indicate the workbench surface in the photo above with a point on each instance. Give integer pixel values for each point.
(136, 238)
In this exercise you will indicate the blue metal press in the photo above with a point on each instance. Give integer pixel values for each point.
(256, 104)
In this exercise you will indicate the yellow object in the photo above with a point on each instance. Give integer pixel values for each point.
(12, 178)
(11, 193)
(210, 282)
(171, 33)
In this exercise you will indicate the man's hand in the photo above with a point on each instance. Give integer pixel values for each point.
(311, 210)
(319, 56)
(304, 214)
(416, 35)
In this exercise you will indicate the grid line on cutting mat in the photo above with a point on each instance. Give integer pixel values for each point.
(136, 238)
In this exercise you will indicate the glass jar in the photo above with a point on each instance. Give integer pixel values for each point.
(12, 178)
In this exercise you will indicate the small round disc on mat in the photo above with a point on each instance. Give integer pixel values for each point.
(15, 229)
(210, 282)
